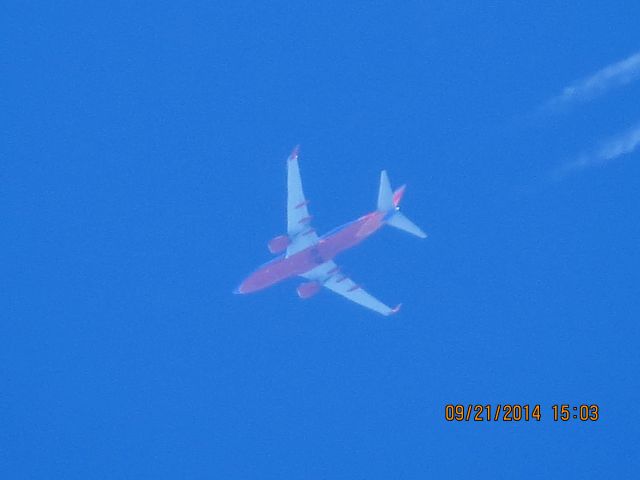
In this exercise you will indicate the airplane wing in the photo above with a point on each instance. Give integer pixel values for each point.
(300, 232)
(329, 276)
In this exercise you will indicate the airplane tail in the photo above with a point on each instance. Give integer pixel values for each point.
(400, 221)
(389, 201)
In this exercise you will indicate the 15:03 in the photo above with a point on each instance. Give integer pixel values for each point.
(584, 412)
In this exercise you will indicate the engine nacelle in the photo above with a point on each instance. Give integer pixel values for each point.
(279, 243)
(308, 289)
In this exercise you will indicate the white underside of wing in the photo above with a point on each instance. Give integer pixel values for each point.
(330, 277)
(299, 228)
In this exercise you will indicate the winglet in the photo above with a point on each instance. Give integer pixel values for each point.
(396, 309)
(294, 153)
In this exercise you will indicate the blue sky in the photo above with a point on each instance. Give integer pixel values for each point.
(142, 168)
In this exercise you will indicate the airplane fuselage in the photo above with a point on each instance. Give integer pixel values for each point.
(330, 245)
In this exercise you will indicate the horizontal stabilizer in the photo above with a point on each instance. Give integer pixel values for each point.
(398, 220)
(385, 194)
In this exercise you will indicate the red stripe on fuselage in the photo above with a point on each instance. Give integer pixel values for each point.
(283, 267)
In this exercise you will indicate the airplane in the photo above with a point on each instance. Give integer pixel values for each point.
(311, 256)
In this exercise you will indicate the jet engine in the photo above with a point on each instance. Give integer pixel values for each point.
(279, 243)
(308, 289)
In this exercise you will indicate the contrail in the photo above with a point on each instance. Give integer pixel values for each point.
(611, 76)
(610, 150)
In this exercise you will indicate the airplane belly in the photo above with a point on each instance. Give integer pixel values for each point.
(275, 272)
(340, 241)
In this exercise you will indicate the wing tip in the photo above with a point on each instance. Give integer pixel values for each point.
(395, 309)
(294, 153)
